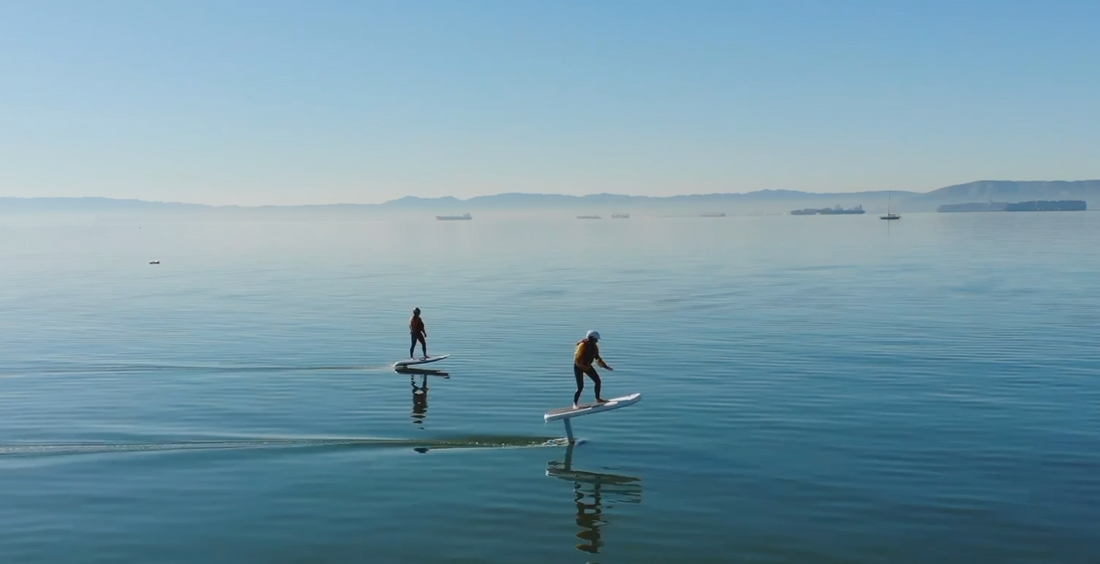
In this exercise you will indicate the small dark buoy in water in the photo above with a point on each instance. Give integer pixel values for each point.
(154, 262)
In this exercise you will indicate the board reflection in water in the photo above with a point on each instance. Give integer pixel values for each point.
(420, 393)
(593, 493)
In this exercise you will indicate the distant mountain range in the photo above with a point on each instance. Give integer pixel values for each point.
(777, 199)
(1011, 191)
(763, 201)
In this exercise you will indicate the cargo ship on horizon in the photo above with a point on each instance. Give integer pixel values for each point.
(1048, 205)
(453, 217)
(1034, 205)
(830, 211)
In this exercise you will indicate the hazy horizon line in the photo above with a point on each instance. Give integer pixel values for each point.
(547, 194)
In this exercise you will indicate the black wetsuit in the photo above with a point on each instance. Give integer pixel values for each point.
(587, 352)
(416, 331)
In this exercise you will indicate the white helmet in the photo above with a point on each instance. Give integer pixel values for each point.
(593, 335)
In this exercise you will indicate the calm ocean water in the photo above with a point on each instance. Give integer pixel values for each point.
(816, 389)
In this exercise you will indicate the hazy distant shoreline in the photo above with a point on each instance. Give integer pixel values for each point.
(757, 202)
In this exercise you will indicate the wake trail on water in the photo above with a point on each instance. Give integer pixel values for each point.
(420, 445)
(132, 368)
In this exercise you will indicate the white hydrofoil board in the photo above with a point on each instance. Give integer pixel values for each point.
(415, 361)
(589, 408)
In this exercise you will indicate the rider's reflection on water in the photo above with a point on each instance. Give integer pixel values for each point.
(420, 400)
(593, 492)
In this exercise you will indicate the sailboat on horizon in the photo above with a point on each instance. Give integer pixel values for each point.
(889, 201)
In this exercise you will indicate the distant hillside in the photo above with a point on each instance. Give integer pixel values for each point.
(768, 201)
(91, 205)
(1011, 191)
(762, 201)
(414, 202)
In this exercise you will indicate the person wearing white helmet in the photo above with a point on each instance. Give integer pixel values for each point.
(588, 352)
(418, 334)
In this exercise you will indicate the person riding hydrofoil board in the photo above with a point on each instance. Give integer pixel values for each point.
(418, 334)
(587, 352)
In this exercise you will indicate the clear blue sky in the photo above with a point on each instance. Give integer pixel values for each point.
(276, 102)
